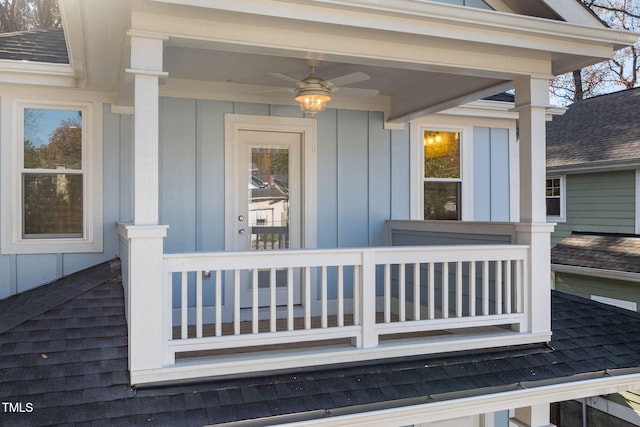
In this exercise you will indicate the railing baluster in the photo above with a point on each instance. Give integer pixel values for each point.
(387, 293)
(341, 295)
(445, 290)
(431, 291)
(485, 287)
(184, 308)
(236, 302)
(499, 287)
(307, 297)
(324, 297)
(199, 304)
(218, 303)
(255, 315)
(272, 306)
(401, 292)
(459, 289)
(357, 294)
(290, 299)
(508, 303)
(521, 274)
(416, 291)
(472, 289)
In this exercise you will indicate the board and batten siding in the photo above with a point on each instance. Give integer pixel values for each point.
(599, 202)
(363, 174)
(22, 272)
(491, 174)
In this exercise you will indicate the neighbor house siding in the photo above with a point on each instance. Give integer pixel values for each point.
(587, 286)
(599, 202)
(19, 273)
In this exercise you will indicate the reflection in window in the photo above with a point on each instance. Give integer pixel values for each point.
(52, 173)
(442, 175)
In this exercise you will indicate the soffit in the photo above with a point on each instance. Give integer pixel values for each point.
(400, 50)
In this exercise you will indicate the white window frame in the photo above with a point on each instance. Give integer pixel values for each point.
(12, 152)
(417, 169)
(563, 199)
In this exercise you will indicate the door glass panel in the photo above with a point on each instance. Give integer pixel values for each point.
(269, 197)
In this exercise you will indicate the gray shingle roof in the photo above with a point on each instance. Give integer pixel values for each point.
(70, 360)
(46, 45)
(601, 251)
(597, 129)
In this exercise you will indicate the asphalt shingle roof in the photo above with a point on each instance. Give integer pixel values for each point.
(46, 45)
(601, 251)
(597, 129)
(69, 359)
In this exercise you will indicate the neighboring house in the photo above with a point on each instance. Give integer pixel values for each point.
(413, 221)
(593, 194)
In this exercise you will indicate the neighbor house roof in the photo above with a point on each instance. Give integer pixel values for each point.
(599, 251)
(597, 131)
(63, 348)
(46, 45)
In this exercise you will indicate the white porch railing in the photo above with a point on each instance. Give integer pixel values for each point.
(386, 302)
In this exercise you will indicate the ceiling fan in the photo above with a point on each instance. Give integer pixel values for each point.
(313, 92)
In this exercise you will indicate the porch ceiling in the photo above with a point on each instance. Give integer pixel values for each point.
(422, 58)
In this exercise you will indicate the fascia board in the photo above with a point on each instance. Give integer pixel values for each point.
(574, 12)
(72, 24)
(397, 15)
(24, 72)
(596, 272)
(595, 167)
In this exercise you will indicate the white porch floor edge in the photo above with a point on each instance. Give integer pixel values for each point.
(275, 361)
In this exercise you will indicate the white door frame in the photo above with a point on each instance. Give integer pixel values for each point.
(234, 123)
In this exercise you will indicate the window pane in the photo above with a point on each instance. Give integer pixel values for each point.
(441, 154)
(52, 139)
(442, 200)
(553, 206)
(52, 205)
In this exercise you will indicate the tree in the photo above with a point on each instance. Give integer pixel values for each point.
(21, 15)
(621, 72)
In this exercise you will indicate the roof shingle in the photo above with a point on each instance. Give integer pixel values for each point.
(74, 368)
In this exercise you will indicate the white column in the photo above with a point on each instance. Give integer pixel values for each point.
(149, 316)
(533, 416)
(532, 99)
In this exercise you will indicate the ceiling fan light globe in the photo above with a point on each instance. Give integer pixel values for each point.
(312, 102)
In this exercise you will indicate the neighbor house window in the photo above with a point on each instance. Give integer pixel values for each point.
(56, 182)
(442, 181)
(555, 197)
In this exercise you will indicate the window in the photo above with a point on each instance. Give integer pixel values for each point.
(52, 173)
(442, 180)
(55, 185)
(555, 197)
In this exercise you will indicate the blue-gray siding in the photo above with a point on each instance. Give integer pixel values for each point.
(491, 174)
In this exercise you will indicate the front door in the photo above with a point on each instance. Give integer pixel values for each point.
(269, 215)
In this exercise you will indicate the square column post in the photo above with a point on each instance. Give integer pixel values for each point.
(148, 316)
(533, 416)
(532, 99)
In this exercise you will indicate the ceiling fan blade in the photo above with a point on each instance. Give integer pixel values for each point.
(354, 91)
(348, 79)
(285, 77)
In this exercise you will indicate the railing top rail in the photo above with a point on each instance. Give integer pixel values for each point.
(334, 257)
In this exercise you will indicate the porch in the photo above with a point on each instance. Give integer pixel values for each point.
(239, 313)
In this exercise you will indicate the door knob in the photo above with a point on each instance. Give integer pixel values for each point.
(241, 230)
(240, 217)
